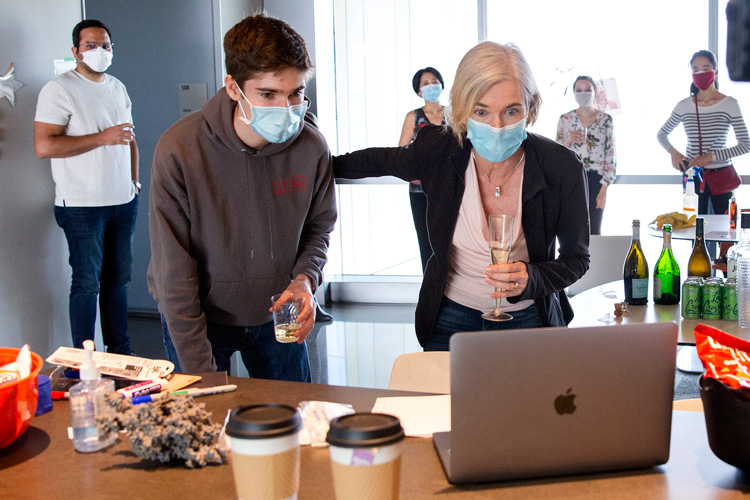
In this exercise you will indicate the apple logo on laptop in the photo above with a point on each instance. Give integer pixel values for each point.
(564, 402)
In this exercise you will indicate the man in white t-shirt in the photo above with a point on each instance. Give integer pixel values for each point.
(84, 124)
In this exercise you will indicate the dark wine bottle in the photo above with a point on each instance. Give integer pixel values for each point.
(699, 263)
(635, 270)
(667, 273)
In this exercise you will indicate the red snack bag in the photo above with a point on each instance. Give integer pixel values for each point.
(724, 356)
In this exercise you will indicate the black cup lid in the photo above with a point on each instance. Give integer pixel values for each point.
(364, 430)
(263, 421)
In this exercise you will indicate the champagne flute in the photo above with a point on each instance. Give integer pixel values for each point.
(501, 237)
(586, 137)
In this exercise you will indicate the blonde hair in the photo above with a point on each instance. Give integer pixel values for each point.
(482, 67)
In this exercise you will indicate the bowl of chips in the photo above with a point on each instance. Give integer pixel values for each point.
(727, 413)
(725, 393)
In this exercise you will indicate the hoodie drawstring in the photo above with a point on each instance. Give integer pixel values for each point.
(268, 203)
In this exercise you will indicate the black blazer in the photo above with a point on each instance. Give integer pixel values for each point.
(554, 207)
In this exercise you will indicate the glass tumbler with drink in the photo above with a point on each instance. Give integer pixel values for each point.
(501, 238)
(285, 313)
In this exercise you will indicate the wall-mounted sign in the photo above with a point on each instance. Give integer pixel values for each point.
(192, 97)
(64, 65)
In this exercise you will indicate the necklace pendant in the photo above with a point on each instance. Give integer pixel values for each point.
(497, 191)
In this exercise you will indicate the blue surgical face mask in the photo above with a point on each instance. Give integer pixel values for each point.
(275, 124)
(431, 93)
(496, 144)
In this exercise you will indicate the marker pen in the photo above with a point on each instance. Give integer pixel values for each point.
(208, 390)
(60, 394)
(146, 399)
(143, 388)
(186, 392)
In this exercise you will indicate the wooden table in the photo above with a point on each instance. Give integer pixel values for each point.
(43, 464)
(595, 302)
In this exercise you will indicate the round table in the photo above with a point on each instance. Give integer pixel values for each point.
(596, 302)
(715, 228)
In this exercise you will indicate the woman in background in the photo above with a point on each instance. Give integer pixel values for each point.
(590, 133)
(485, 163)
(427, 84)
(706, 117)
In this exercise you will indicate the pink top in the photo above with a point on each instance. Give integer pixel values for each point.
(470, 251)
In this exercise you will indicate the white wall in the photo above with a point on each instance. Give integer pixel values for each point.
(34, 272)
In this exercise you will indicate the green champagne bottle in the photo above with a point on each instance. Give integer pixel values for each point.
(667, 273)
(635, 270)
(699, 263)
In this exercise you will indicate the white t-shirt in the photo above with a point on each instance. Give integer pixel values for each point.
(100, 177)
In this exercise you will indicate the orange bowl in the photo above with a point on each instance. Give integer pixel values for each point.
(17, 399)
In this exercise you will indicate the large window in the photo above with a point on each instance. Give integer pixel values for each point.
(642, 47)
(626, 44)
(376, 48)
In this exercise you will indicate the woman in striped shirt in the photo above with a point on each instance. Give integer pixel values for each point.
(706, 117)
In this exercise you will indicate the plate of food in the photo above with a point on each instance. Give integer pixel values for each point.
(677, 219)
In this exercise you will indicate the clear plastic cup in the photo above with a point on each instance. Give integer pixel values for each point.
(285, 323)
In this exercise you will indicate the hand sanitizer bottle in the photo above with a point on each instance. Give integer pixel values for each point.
(690, 198)
(87, 403)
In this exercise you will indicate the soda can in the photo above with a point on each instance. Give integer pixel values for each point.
(729, 300)
(712, 298)
(692, 298)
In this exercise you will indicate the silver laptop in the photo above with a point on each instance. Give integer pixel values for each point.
(556, 401)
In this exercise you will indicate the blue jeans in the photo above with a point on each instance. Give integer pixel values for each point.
(262, 355)
(453, 318)
(100, 242)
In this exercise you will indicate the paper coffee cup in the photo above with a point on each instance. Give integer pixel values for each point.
(265, 452)
(365, 451)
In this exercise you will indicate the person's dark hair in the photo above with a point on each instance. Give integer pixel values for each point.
(712, 59)
(418, 76)
(88, 23)
(584, 77)
(262, 44)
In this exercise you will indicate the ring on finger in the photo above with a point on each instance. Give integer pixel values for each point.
(515, 286)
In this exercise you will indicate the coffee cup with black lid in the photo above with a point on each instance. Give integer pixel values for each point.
(265, 451)
(365, 450)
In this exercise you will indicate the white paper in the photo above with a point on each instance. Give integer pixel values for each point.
(421, 416)
(117, 365)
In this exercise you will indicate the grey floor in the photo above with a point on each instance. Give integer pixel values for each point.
(356, 349)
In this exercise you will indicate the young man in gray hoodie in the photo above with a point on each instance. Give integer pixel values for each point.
(242, 204)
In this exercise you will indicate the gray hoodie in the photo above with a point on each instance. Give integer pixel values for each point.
(231, 226)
